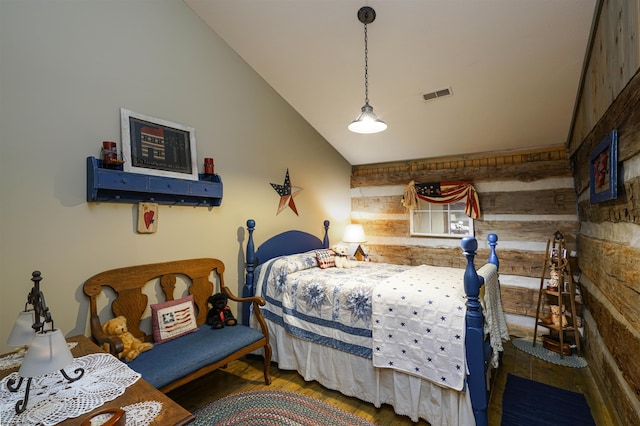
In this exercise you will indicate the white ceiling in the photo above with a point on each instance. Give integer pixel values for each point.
(513, 66)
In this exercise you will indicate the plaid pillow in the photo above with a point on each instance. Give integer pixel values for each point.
(326, 258)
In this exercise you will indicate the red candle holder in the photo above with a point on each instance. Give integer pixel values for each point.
(109, 153)
(208, 166)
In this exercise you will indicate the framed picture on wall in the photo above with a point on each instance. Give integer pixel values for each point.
(157, 147)
(603, 169)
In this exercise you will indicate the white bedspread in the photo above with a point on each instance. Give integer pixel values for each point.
(419, 323)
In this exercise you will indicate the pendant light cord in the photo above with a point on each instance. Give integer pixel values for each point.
(366, 66)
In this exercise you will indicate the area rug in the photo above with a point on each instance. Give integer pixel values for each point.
(273, 407)
(526, 345)
(529, 403)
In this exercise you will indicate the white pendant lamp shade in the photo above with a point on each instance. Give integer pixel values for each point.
(367, 122)
(48, 352)
(22, 333)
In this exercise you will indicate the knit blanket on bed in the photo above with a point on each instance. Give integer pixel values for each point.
(495, 322)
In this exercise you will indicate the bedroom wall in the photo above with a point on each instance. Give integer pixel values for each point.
(67, 68)
(525, 196)
(609, 237)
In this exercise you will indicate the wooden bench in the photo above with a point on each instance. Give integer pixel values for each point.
(171, 364)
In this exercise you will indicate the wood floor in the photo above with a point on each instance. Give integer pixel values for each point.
(246, 374)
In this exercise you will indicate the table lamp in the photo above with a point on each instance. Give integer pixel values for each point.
(47, 350)
(354, 235)
(22, 333)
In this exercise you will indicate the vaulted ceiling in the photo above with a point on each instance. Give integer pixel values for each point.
(513, 67)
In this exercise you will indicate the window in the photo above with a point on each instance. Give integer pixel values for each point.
(440, 220)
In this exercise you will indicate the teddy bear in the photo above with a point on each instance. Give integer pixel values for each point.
(219, 313)
(558, 316)
(132, 345)
(342, 256)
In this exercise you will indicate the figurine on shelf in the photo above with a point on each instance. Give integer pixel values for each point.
(110, 156)
(554, 279)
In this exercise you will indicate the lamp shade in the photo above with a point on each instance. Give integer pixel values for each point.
(22, 333)
(354, 233)
(367, 122)
(48, 352)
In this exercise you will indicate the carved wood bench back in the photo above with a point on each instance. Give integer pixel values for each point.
(128, 283)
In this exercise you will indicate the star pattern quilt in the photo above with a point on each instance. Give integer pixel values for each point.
(419, 324)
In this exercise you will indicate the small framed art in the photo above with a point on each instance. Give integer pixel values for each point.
(147, 218)
(603, 169)
(157, 147)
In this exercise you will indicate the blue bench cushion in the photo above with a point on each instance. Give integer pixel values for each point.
(176, 358)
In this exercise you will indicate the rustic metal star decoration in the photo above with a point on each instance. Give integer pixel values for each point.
(286, 192)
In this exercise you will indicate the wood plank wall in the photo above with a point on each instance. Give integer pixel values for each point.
(525, 196)
(609, 237)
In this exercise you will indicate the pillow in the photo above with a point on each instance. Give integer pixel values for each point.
(173, 319)
(326, 258)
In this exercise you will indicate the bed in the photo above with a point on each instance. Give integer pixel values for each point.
(420, 338)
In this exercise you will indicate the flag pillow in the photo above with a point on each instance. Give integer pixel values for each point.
(326, 258)
(173, 319)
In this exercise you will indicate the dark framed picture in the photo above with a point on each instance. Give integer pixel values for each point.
(157, 147)
(603, 169)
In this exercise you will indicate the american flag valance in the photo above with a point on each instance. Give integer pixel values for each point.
(443, 193)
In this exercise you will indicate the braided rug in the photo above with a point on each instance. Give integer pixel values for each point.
(526, 345)
(273, 407)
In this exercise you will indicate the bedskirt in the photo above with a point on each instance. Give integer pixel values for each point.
(355, 376)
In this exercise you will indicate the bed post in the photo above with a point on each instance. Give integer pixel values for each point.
(325, 240)
(474, 336)
(493, 257)
(247, 290)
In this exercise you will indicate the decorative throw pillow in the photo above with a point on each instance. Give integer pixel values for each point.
(173, 319)
(326, 258)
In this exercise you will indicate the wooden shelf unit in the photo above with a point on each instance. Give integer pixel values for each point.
(556, 258)
(110, 185)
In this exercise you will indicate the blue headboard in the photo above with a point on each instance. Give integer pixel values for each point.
(288, 242)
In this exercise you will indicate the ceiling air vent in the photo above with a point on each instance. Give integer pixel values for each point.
(437, 94)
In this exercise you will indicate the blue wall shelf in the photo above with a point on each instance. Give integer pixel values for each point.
(110, 185)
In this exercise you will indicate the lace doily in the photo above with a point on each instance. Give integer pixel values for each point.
(140, 414)
(53, 399)
(11, 360)
(15, 359)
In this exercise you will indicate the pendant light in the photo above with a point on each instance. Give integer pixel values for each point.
(367, 121)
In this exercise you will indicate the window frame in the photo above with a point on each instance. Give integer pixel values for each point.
(428, 213)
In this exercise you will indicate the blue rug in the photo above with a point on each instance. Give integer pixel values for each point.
(529, 403)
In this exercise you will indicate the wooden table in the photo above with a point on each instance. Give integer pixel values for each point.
(140, 391)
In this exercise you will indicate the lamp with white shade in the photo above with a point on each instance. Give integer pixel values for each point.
(47, 349)
(22, 333)
(354, 235)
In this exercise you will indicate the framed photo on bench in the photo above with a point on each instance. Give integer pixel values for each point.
(154, 146)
